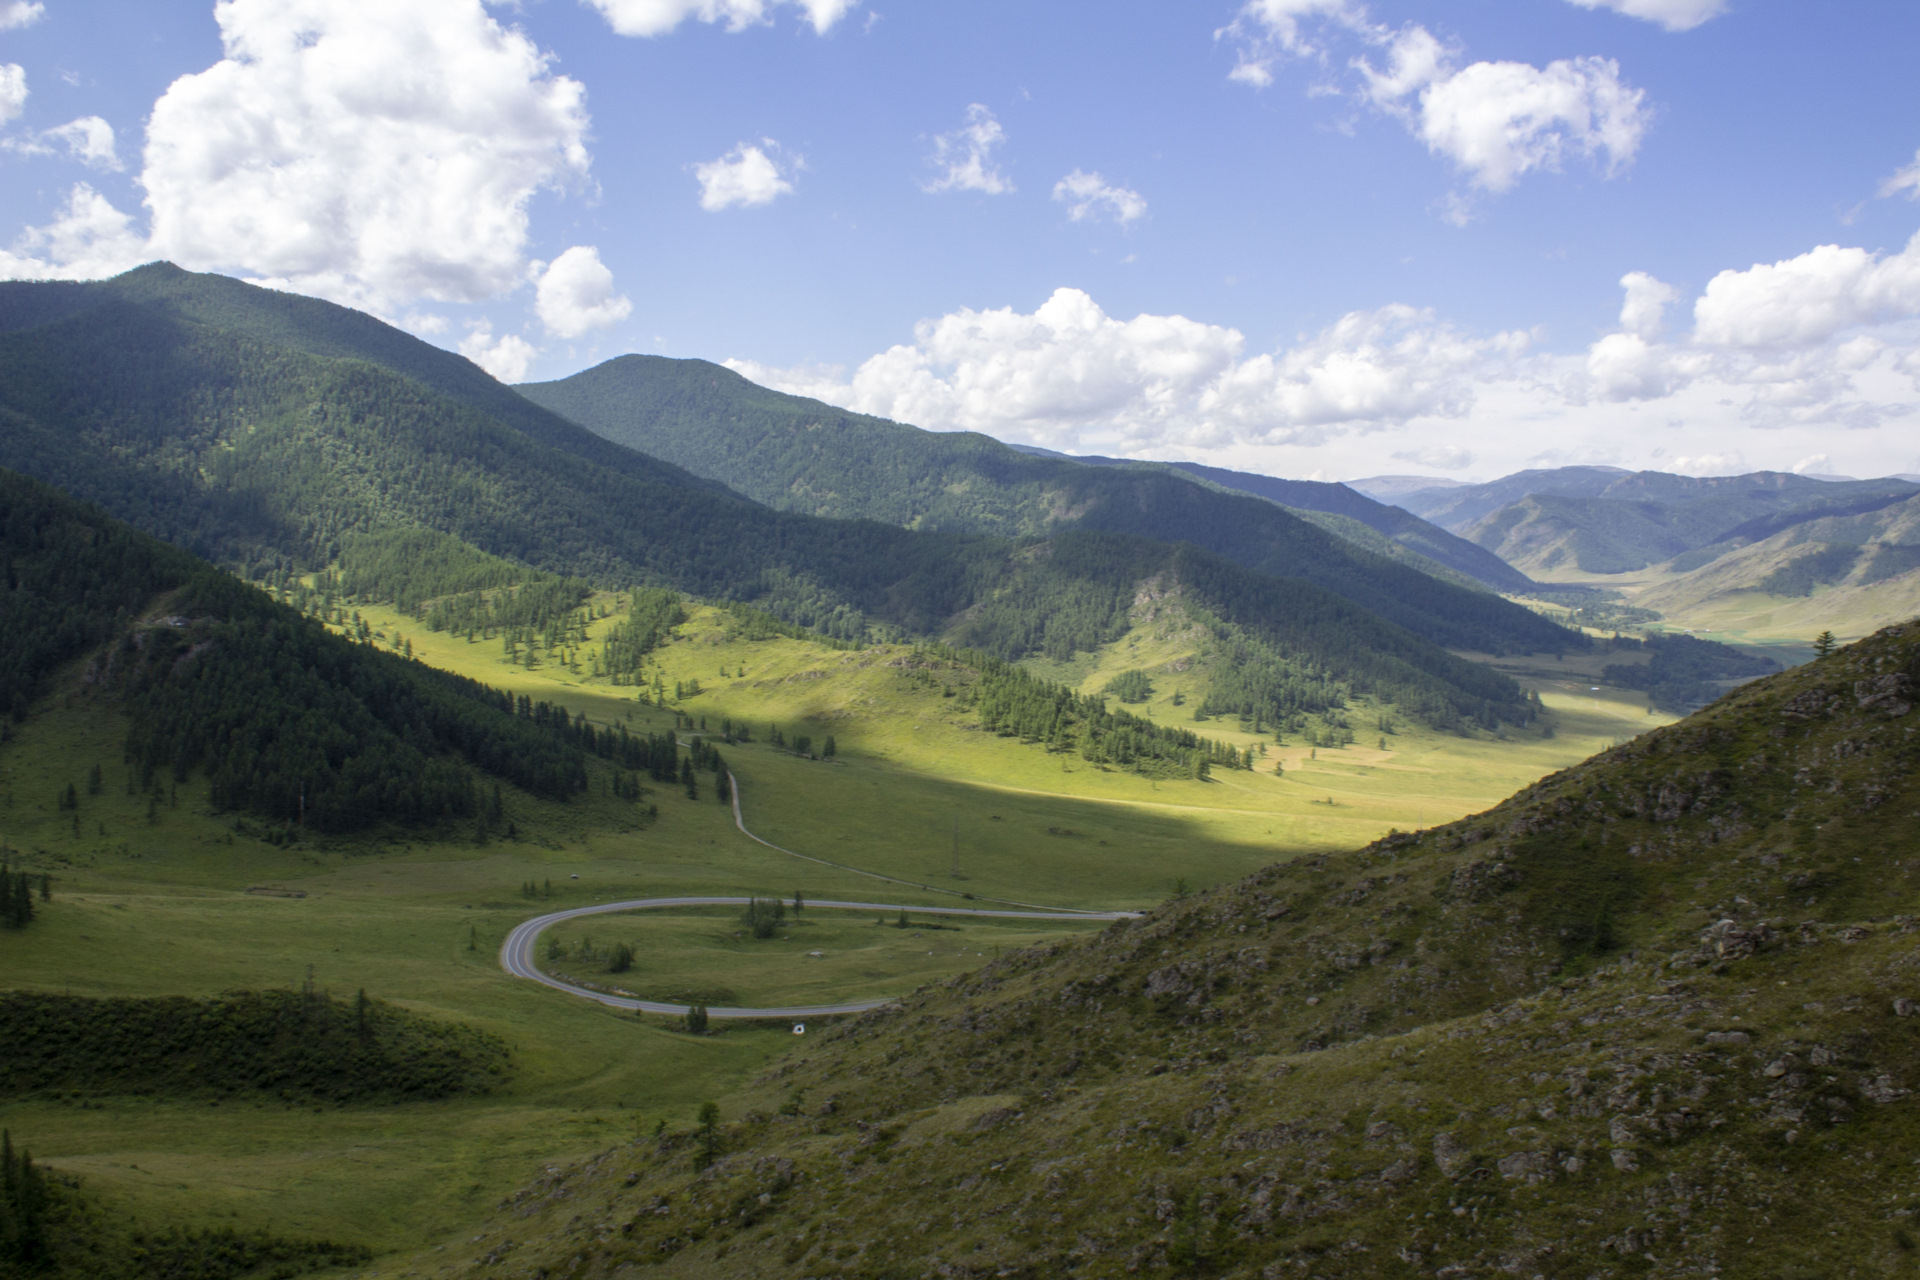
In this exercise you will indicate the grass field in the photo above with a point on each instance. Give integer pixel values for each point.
(159, 896)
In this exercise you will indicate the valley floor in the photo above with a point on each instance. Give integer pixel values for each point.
(167, 898)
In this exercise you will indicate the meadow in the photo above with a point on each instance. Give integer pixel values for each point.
(158, 895)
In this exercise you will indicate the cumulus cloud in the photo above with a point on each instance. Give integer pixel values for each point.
(1644, 311)
(965, 156)
(1068, 367)
(658, 17)
(745, 176)
(1907, 180)
(90, 238)
(506, 358)
(366, 152)
(369, 153)
(1809, 298)
(1674, 15)
(88, 140)
(1496, 121)
(20, 13)
(575, 295)
(13, 91)
(1500, 120)
(1818, 464)
(1267, 28)
(1088, 196)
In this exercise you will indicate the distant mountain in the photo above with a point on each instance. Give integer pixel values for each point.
(802, 455)
(1394, 488)
(1652, 1016)
(1397, 523)
(1603, 521)
(178, 415)
(1374, 526)
(1863, 567)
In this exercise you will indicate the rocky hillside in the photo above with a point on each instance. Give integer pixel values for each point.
(1657, 1015)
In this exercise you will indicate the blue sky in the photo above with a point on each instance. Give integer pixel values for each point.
(1305, 237)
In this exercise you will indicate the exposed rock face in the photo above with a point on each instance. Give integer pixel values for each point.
(1653, 1016)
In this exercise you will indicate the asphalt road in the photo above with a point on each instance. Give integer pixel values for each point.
(517, 952)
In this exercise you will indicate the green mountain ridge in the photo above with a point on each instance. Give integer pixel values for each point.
(269, 457)
(802, 455)
(1652, 1016)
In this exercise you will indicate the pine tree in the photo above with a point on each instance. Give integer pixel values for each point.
(1823, 644)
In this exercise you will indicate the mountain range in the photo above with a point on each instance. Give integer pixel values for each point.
(269, 432)
(1602, 520)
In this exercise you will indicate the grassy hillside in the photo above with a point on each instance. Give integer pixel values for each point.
(1651, 1016)
(165, 896)
(802, 455)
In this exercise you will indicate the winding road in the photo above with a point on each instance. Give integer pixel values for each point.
(517, 952)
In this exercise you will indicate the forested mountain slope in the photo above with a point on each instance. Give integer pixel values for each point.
(287, 721)
(311, 326)
(1401, 525)
(802, 455)
(1654, 1015)
(265, 456)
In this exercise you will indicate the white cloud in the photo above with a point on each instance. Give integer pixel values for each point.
(13, 91)
(1268, 28)
(1068, 368)
(1497, 121)
(575, 294)
(507, 359)
(89, 239)
(1644, 310)
(1500, 120)
(1731, 463)
(1809, 298)
(1674, 15)
(20, 13)
(1441, 457)
(965, 156)
(1818, 463)
(1907, 180)
(1088, 195)
(745, 176)
(88, 140)
(370, 153)
(658, 17)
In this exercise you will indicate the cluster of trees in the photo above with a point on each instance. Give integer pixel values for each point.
(24, 1202)
(16, 896)
(1013, 702)
(1131, 686)
(652, 614)
(294, 1045)
(1684, 673)
(764, 916)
